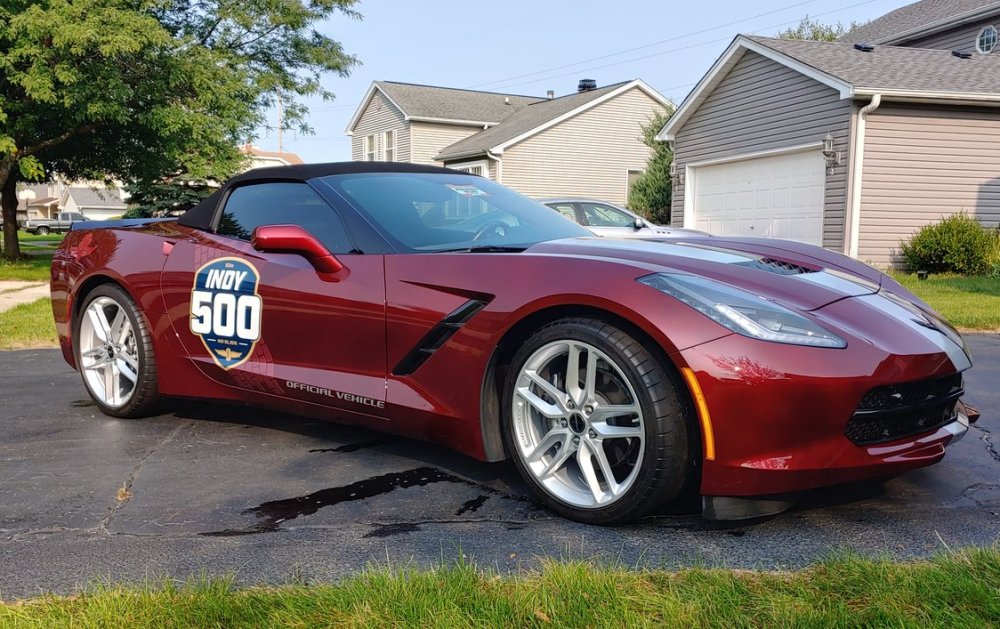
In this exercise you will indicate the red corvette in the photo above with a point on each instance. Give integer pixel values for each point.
(443, 306)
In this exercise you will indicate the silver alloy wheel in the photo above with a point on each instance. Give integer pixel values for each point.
(109, 358)
(578, 424)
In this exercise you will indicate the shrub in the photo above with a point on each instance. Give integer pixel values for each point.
(956, 244)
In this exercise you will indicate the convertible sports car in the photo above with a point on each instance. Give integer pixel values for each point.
(616, 374)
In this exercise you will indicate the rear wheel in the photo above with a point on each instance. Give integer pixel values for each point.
(114, 352)
(594, 424)
(42, 231)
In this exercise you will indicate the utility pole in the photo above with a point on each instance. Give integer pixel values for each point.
(281, 123)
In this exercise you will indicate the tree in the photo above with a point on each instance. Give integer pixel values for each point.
(815, 31)
(651, 193)
(164, 195)
(139, 90)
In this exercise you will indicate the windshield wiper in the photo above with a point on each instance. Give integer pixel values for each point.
(484, 249)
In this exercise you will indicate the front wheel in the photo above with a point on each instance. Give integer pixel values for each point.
(114, 353)
(594, 424)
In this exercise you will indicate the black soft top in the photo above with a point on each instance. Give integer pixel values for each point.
(201, 215)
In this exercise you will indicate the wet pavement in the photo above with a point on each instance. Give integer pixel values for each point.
(211, 489)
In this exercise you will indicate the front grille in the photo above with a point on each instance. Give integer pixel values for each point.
(895, 411)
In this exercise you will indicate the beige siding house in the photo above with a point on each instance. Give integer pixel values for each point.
(853, 145)
(582, 144)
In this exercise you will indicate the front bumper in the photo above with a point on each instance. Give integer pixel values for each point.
(779, 413)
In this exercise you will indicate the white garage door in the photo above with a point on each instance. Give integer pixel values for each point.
(779, 197)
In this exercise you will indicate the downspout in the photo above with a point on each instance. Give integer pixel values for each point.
(499, 162)
(858, 167)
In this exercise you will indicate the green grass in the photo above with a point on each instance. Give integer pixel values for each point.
(24, 236)
(28, 325)
(955, 590)
(31, 268)
(971, 303)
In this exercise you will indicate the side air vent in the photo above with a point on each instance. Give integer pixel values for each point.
(778, 267)
(438, 336)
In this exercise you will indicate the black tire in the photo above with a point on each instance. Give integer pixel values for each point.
(665, 466)
(42, 231)
(145, 399)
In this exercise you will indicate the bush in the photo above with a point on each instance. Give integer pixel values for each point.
(957, 244)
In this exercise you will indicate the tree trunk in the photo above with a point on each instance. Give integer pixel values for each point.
(8, 203)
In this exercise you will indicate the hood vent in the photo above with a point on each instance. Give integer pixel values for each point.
(778, 267)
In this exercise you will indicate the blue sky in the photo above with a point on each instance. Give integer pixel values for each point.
(528, 47)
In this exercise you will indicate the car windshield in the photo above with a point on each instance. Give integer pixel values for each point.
(447, 212)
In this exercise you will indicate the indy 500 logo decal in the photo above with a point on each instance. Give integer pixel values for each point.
(225, 310)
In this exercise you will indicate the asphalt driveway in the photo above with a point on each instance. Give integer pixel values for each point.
(269, 498)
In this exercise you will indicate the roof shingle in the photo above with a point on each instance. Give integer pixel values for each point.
(895, 68)
(913, 16)
(426, 101)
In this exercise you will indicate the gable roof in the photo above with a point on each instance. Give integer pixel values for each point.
(444, 104)
(537, 117)
(920, 18)
(94, 198)
(895, 72)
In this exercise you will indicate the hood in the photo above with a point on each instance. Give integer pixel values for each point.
(793, 279)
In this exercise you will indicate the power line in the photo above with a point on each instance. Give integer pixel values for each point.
(664, 52)
(644, 46)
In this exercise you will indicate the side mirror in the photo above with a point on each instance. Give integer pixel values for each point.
(294, 239)
(639, 223)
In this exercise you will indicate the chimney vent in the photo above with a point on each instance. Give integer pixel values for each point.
(506, 100)
(550, 94)
(585, 85)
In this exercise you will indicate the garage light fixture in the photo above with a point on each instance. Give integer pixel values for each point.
(831, 156)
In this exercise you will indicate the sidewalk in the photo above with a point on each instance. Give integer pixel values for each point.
(15, 293)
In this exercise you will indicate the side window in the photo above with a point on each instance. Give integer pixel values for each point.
(566, 209)
(605, 216)
(282, 203)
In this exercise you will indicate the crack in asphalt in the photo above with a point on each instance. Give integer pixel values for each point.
(127, 486)
(991, 447)
(975, 487)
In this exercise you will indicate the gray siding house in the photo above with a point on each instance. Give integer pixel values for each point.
(852, 147)
(582, 144)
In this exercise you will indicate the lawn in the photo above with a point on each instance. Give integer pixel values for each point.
(23, 236)
(31, 268)
(957, 590)
(28, 325)
(969, 303)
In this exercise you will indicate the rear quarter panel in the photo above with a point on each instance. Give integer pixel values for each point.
(130, 257)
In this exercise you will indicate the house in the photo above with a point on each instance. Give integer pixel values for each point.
(582, 144)
(97, 203)
(259, 158)
(853, 145)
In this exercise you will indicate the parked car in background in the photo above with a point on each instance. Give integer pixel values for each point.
(606, 219)
(61, 223)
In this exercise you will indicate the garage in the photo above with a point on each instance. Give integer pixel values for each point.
(778, 196)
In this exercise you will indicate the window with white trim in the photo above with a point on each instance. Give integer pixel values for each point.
(388, 146)
(987, 40)
(369, 148)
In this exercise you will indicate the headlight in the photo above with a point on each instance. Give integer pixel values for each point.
(743, 312)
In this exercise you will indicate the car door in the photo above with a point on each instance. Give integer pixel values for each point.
(269, 322)
(608, 221)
